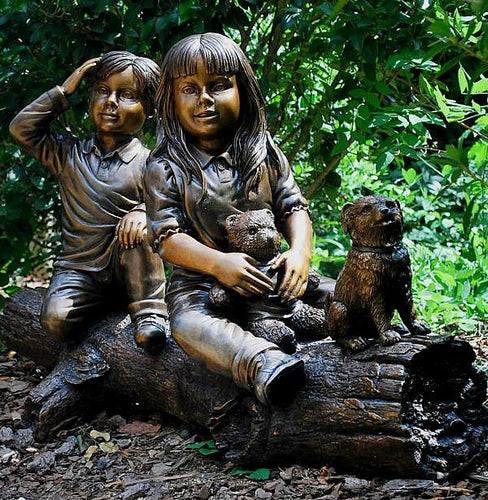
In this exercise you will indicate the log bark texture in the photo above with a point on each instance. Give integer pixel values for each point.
(413, 409)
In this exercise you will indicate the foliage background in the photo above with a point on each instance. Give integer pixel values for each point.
(386, 97)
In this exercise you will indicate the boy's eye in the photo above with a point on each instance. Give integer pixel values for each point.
(102, 91)
(127, 94)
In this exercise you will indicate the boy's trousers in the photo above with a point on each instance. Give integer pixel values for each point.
(76, 297)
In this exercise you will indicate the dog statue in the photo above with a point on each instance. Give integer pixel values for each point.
(376, 277)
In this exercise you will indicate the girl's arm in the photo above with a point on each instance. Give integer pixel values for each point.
(298, 233)
(234, 270)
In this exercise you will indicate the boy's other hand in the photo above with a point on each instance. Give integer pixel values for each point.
(131, 229)
(73, 81)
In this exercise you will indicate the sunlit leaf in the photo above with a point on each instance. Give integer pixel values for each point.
(96, 434)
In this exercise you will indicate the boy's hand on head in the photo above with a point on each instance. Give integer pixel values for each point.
(73, 81)
(295, 278)
(237, 271)
(131, 229)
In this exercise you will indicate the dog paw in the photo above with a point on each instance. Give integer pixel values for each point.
(401, 329)
(353, 343)
(420, 328)
(389, 337)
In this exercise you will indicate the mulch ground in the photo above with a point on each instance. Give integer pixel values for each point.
(146, 456)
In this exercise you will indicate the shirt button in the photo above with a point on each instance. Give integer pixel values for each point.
(103, 164)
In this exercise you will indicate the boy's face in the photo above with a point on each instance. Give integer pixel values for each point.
(207, 105)
(115, 106)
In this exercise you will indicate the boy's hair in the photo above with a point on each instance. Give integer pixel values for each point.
(146, 72)
(223, 56)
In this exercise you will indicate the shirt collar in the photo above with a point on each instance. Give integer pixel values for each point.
(127, 152)
(204, 159)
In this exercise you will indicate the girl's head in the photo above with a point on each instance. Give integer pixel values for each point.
(219, 56)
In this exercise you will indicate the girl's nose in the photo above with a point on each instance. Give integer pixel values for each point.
(205, 99)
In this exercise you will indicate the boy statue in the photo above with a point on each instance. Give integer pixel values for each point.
(105, 256)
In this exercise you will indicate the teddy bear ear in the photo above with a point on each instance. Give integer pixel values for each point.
(230, 221)
(346, 212)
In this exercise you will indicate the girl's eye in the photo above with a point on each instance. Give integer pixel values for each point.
(127, 94)
(187, 90)
(219, 87)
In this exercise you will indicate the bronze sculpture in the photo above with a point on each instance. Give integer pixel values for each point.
(255, 233)
(376, 277)
(213, 158)
(105, 254)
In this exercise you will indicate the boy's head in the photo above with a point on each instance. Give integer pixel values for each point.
(123, 87)
(146, 74)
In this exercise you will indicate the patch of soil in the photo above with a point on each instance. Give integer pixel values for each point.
(136, 455)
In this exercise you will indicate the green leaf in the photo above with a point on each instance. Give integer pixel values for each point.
(204, 447)
(480, 87)
(338, 7)
(340, 145)
(409, 175)
(462, 79)
(82, 446)
(385, 159)
(260, 474)
(208, 451)
(195, 446)
(441, 101)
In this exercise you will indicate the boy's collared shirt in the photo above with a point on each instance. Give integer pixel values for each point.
(96, 189)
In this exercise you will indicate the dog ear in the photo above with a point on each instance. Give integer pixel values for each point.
(346, 209)
(397, 203)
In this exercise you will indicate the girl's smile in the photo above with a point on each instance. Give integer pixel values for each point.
(208, 107)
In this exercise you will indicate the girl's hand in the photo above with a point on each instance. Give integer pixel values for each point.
(131, 229)
(237, 271)
(295, 278)
(73, 81)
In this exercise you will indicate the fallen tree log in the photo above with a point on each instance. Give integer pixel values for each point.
(413, 409)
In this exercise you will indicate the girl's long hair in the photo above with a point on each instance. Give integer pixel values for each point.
(221, 56)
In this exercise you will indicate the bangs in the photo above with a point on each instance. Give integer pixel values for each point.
(219, 54)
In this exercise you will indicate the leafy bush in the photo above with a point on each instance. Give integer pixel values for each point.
(386, 97)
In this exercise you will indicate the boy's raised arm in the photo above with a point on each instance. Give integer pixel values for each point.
(31, 127)
(73, 81)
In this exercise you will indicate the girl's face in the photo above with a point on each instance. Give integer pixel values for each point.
(208, 107)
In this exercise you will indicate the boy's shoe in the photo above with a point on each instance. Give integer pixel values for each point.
(278, 377)
(150, 332)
